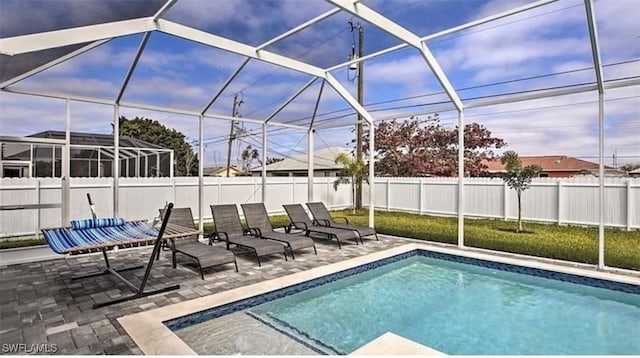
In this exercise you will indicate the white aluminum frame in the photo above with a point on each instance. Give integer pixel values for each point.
(101, 33)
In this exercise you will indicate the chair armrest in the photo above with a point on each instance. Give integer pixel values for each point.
(217, 235)
(321, 222)
(254, 231)
(288, 229)
(346, 221)
(297, 225)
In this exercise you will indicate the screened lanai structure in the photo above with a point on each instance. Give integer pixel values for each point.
(293, 66)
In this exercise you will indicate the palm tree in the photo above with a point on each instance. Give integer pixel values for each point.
(353, 172)
(518, 178)
(248, 156)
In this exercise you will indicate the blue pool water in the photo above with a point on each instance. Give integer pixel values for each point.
(459, 308)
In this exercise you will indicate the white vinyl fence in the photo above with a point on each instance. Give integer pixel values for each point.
(561, 201)
(565, 201)
(140, 198)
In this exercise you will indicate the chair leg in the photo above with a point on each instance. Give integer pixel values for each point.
(200, 268)
(258, 257)
(314, 248)
(291, 250)
(339, 246)
(174, 258)
(235, 262)
(376, 234)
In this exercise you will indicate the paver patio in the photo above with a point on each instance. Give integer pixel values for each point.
(40, 304)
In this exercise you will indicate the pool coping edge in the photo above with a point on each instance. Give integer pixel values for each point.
(152, 336)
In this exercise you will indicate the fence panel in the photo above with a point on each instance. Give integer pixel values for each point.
(565, 201)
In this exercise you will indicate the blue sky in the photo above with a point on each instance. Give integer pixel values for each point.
(543, 48)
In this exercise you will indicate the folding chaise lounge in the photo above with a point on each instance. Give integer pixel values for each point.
(300, 220)
(204, 255)
(101, 235)
(322, 216)
(229, 228)
(260, 225)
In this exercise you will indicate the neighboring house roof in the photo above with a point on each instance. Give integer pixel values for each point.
(549, 163)
(215, 171)
(105, 140)
(635, 171)
(323, 159)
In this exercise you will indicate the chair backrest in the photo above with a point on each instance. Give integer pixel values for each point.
(226, 219)
(297, 214)
(320, 212)
(257, 217)
(180, 216)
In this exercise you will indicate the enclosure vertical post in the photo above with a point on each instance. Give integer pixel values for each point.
(201, 173)
(99, 171)
(38, 211)
(32, 168)
(460, 178)
(116, 159)
(560, 203)
(264, 163)
(53, 160)
(310, 135)
(66, 167)
(629, 205)
(171, 159)
(138, 164)
(597, 66)
(601, 262)
(372, 150)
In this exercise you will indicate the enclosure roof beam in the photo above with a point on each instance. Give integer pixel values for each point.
(446, 32)
(75, 35)
(225, 85)
(404, 35)
(52, 63)
(132, 68)
(290, 99)
(299, 28)
(163, 10)
(595, 47)
(239, 48)
(333, 82)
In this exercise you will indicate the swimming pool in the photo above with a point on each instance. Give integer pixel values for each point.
(454, 304)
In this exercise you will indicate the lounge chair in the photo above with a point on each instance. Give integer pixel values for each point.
(322, 216)
(300, 220)
(101, 235)
(229, 228)
(260, 225)
(204, 255)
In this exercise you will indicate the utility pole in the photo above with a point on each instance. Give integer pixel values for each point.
(234, 113)
(359, 130)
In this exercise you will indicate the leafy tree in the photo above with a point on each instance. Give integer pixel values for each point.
(518, 178)
(353, 172)
(185, 161)
(425, 147)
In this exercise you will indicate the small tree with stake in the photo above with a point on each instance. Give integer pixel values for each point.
(518, 178)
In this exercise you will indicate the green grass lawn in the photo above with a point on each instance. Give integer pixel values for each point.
(578, 244)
